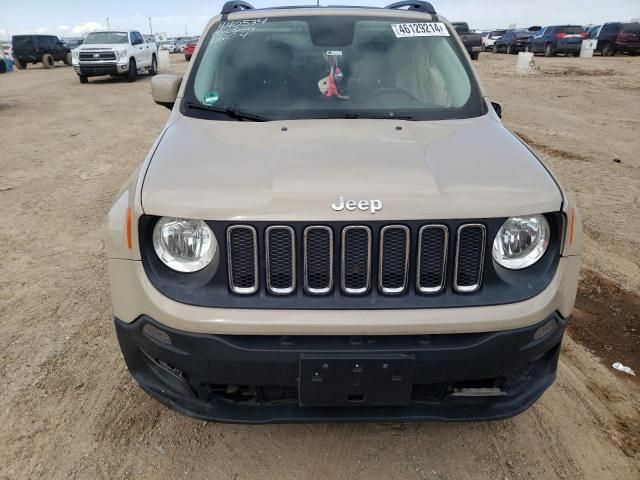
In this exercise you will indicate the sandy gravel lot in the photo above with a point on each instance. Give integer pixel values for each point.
(69, 408)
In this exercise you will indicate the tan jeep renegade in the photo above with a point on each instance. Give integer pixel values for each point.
(334, 225)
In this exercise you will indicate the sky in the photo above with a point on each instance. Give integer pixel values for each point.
(69, 18)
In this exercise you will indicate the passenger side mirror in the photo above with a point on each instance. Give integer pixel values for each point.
(164, 89)
(498, 109)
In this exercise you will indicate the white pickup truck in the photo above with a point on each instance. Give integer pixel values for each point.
(115, 52)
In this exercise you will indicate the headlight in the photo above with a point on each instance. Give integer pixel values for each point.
(184, 245)
(74, 53)
(521, 241)
(121, 53)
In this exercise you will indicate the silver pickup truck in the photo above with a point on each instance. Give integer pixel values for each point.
(114, 53)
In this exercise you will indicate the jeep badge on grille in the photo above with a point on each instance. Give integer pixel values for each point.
(372, 205)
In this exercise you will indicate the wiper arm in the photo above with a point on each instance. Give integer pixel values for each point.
(377, 117)
(229, 111)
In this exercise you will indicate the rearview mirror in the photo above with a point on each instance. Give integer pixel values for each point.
(164, 89)
(498, 108)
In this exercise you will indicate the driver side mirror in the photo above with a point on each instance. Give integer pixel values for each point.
(164, 89)
(498, 109)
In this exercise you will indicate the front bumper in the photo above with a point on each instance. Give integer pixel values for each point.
(256, 379)
(96, 69)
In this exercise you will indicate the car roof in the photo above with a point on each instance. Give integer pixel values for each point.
(410, 5)
(39, 35)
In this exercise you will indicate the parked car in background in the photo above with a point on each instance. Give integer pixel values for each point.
(5, 49)
(617, 37)
(472, 41)
(513, 41)
(170, 46)
(115, 52)
(150, 39)
(184, 41)
(189, 49)
(490, 39)
(73, 42)
(45, 49)
(6, 62)
(557, 39)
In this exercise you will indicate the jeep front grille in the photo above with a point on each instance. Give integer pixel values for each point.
(355, 264)
(393, 269)
(281, 260)
(470, 247)
(389, 260)
(433, 242)
(242, 259)
(318, 260)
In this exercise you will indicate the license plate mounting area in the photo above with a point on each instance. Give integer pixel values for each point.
(342, 380)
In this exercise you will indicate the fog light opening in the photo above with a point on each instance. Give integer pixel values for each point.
(156, 334)
(545, 329)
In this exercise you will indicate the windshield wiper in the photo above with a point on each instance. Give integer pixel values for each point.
(351, 116)
(231, 112)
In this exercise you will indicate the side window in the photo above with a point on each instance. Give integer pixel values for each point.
(132, 38)
(139, 38)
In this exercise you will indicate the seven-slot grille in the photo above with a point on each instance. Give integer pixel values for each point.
(345, 260)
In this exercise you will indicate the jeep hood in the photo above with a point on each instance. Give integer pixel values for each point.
(228, 170)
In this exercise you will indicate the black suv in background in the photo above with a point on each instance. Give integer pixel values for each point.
(472, 41)
(45, 49)
(557, 39)
(617, 37)
(513, 41)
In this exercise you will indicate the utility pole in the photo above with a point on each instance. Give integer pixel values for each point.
(150, 27)
(108, 27)
(185, 31)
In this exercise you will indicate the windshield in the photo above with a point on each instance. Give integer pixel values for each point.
(332, 67)
(106, 37)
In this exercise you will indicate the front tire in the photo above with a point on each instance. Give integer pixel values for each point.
(83, 79)
(474, 55)
(67, 59)
(153, 69)
(47, 61)
(132, 74)
(509, 50)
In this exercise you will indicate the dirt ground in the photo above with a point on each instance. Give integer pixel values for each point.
(69, 408)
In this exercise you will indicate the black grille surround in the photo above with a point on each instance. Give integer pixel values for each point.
(430, 279)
